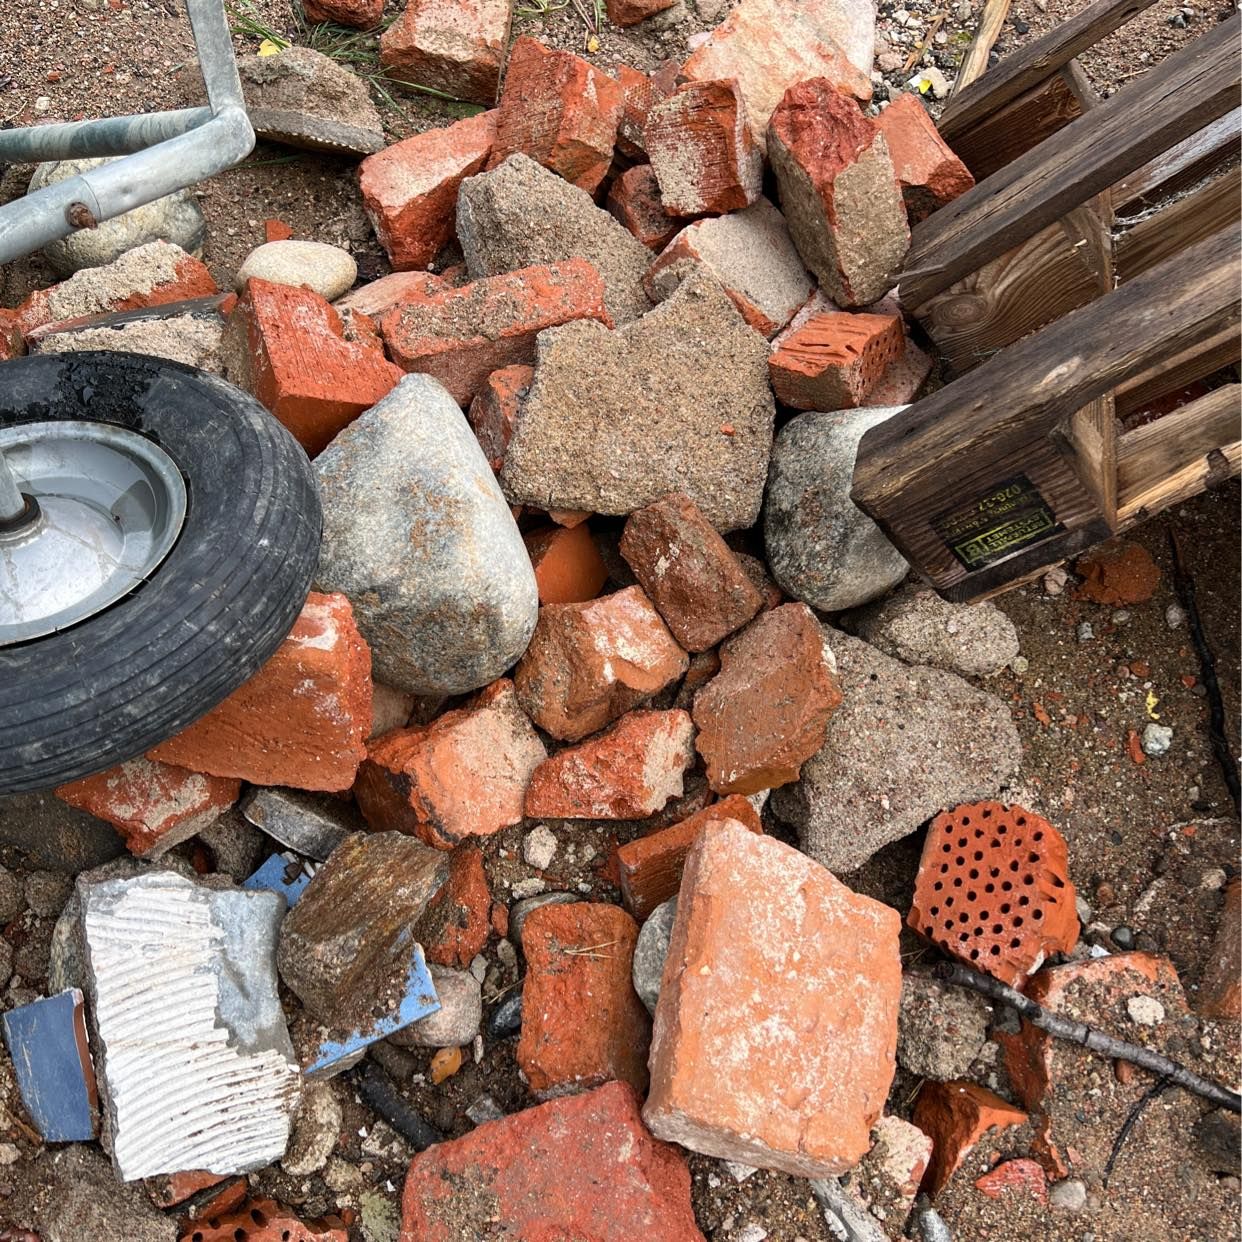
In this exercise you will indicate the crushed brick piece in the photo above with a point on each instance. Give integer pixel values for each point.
(12, 343)
(464, 775)
(835, 360)
(900, 384)
(1024, 1178)
(955, 1116)
(495, 409)
(1119, 572)
(629, 772)
(751, 970)
(290, 348)
(993, 889)
(1220, 990)
(559, 110)
(582, 1022)
(302, 720)
(640, 91)
(455, 46)
(265, 1220)
(461, 335)
(631, 12)
(454, 927)
(888, 1176)
(410, 189)
(360, 14)
(276, 230)
(568, 566)
(929, 174)
(170, 1189)
(651, 867)
(634, 199)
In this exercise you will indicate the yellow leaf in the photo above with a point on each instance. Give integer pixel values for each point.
(1152, 700)
(445, 1064)
(593, 45)
(269, 48)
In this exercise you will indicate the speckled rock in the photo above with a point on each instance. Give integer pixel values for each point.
(822, 548)
(328, 270)
(940, 1028)
(456, 1022)
(315, 1130)
(650, 951)
(418, 535)
(175, 218)
(906, 743)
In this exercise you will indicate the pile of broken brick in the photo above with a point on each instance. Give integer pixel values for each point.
(632, 667)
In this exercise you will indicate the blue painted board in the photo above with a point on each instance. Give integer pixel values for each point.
(281, 874)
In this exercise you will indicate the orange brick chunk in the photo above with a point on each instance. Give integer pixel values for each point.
(993, 889)
(568, 566)
(409, 190)
(702, 151)
(301, 720)
(455, 46)
(582, 1021)
(286, 345)
(631, 12)
(1220, 992)
(495, 409)
(776, 1027)
(955, 1116)
(559, 110)
(455, 925)
(634, 199)
(929, 173)
(834, 360)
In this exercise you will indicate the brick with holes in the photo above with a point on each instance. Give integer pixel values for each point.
(993, 890)
(834, 360)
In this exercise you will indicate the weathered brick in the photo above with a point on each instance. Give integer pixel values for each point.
(559, 110)
(839, 192)
(153, 805)
(929, 173)
(640, 91)
(651, 867)
(461, 335)
(688, 571)
(495, 409)
(454, 928)
(751, 254)
(702, 151)
(568, 566)
(290, 348)
(456, 46)
(589, 663)
(361, 14)
(409, 190)
(582, 1022)
(634, 199)
(955, 1116)
(1220, 990)
(1019, 1178)
(301, 720)
(993, 889)
(464, 775)
(631, 12)
(767, 710)
(749, 973)
(629, 772)
(835, 360)
(580, 1167)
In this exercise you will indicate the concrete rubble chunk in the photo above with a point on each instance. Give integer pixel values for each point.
(311, 824)
(418, 535)
(677, 401)
(196, 1069)
(905, 744)
(940, 1029)
(454, 46)
(888, 1176)
(194, 338)
(315, 1131)
(822, 548)
(767, 946)
(521, 214)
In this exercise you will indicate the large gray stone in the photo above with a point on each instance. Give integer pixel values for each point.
(521, 214)
(677, 401)
(906, 743)
(175, 218)
(822, 548)
(417, 533)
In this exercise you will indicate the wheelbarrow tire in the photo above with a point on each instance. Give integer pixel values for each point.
(116, 684)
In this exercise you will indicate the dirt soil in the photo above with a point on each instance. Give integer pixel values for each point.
(1141, 836)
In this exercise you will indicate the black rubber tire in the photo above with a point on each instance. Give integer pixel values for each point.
(119, 683)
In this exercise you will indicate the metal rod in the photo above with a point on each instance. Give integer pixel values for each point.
(114, 135)
(12, 504)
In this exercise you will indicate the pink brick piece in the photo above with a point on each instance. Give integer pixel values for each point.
(929, 173)
(454, 46)
(835, 360)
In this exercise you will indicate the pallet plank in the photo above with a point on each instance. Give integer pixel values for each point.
(1176, 226)
(1203, 153)
(1217, 348)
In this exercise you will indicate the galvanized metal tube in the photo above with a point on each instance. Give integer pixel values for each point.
(12, 505)
(115, 135)
(214, 42)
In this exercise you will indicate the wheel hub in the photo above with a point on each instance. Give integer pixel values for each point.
(104, 507)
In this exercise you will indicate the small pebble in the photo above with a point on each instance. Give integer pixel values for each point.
(1157, 739)
(1145, 1010)
(484, 1109)
(1121, 616)
(1086, 631)
(1123, 938)
(1069, 1195)
(506, 1018)
(1177, 19)
(1019, 664)
(1174, 616)
(539, 847)
(1083, 910)
(1055, 580)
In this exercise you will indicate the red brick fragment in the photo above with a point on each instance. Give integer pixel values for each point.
(582, 1022)
(834, 360)
(302, 720)
(900, 384)
(265, 1220)
(460, 336)
(495, 409)
(629, 772)
(289, 347)
(170, 1189)
(464, 775)
(12, 343)
(634, 199)
(559, 110)
(582, 1167)
(776, 1028)
(588, 663)
(631, 12)
(929, 173)
(1119, 572)
(455, 46)
(993, 889)
(360, 14)
(1220, 990)
(651, 867)
(767, 710)
(956, 1115)
(225, 1197)
(410, 189)
(702, 151)
(1022, 1178)
(154, 806)
(568, 566)
(454, 927)
(640, 91)
(276, 230)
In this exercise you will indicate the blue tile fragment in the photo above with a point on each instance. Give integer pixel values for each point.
(282, 873)
(47, 1042)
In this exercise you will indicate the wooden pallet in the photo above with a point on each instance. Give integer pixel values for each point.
(1076, 284)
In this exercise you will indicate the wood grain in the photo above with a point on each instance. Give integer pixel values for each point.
(1213, 147)
(1174, 227)
(1217, 348)
(976, 59)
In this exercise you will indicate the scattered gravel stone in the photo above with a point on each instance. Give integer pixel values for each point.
(315, 1131)
(484, 1108)
(539, 847)
(1019, 664)
(940, 1029)
(651, 950)
(1145, 1010)
(1086, 631)
(328, 270)
(1122, 616)
(6, 962)
(1069, 1195)
(47, 892)
(1055, 579)
(1157, 739)
(1175, 616)
(506, 1018)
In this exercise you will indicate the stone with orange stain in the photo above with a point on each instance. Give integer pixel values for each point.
(629, 772)
(568, 567)
(766, 712)
(776, 1027)
(1220, 989)
(1022, 1178)
(582, 1022)
(1119, 572)
(588, 663)
(455, 926)
(634, 199)
(302, 720)
(834, 360)
(153, 805)
(454, 46)
(993, 890)
(955, 1116)
(495, 409)
(464, 775)
(929, 174)
(650, 868)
